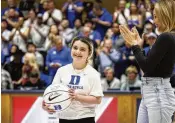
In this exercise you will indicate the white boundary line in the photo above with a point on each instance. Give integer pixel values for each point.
(103, 108)
(99, 111)
(38, 100)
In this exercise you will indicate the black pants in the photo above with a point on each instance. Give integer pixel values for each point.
(84, 120)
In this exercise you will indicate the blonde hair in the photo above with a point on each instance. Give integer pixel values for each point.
(165, 11)
(31, 59)
(131, 69)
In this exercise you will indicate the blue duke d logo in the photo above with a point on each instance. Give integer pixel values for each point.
(74, 82)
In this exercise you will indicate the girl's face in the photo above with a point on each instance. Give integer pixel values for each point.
(80, 52)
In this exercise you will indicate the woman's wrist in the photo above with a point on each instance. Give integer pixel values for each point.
(134, 43)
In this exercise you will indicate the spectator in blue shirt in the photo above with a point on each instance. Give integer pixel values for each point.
(103, 19)
(57, 56)
(87, 32)
(151, 38)
(12, 18)
(94, 35)
(73, 10)
(90, 13)
(117, 39)
(11, 4)
(108, 57)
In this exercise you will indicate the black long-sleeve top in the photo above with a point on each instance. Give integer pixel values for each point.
(161, 58)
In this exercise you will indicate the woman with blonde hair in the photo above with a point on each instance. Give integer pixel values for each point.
(158, 98)
(30, 65)
(30, 59)
(131, 79)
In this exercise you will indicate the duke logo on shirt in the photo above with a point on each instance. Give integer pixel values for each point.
(75, 80)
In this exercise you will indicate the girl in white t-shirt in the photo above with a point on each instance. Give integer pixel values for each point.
(84, 83)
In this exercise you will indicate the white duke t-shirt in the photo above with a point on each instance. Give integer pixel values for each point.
(87, 82)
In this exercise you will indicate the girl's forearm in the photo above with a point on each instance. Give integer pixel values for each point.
(88, 99)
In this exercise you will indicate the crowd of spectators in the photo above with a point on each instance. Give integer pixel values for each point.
(36, 39)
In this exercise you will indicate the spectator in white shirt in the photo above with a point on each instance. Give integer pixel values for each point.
(110, 81)
(52, 15)
(31, 18)
(121, 13)
(19, 35)
(131, 79)
(38, 32)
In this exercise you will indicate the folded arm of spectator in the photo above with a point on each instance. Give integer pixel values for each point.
(12, 34)
(104, 23)
(12, 23)
(25, 34)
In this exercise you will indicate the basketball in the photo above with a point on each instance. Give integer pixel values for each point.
(57, 97)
